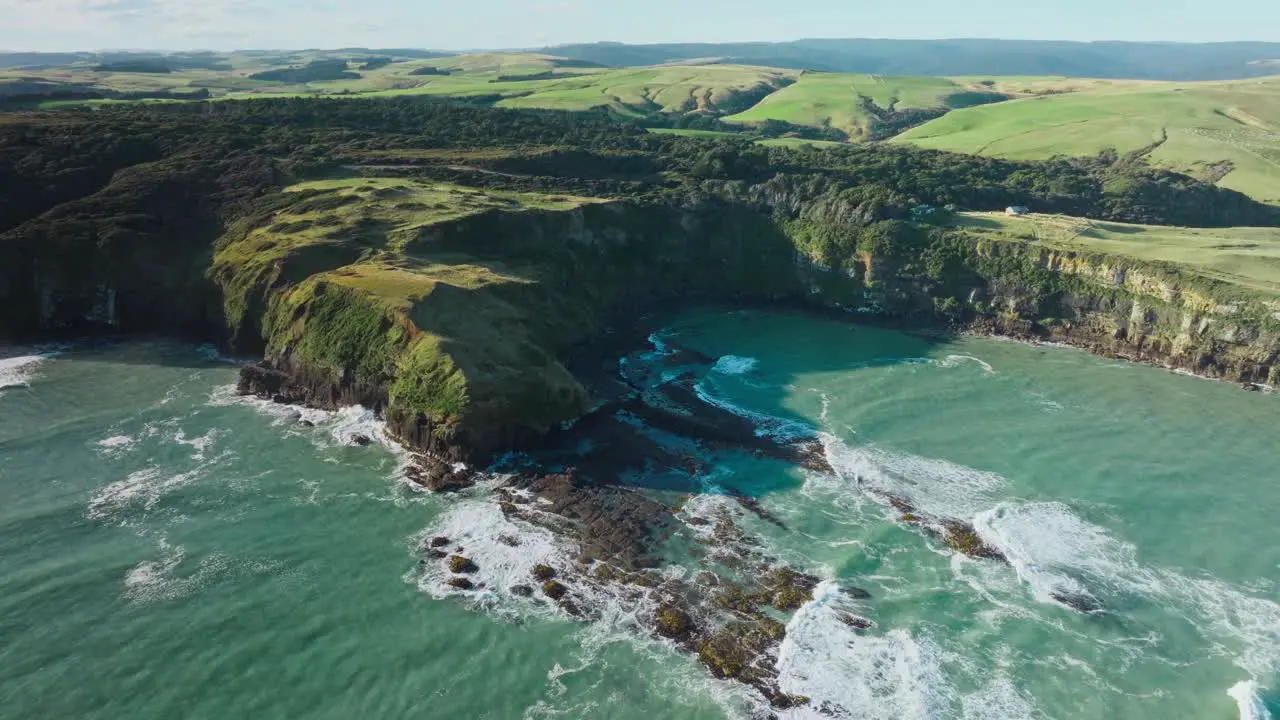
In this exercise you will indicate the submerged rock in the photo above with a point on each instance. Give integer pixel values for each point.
(522, 591)
(1080, 602)
(855, 622)
(361, 440)
(460, 583)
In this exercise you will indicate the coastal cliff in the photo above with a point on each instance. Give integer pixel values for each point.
(458, 330)
(443, 265)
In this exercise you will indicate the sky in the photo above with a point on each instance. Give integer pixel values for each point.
(471, 24)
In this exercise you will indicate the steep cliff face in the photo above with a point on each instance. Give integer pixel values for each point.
(1112, 306)
(456, 329)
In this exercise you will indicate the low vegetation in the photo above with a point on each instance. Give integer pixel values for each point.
(435, 260)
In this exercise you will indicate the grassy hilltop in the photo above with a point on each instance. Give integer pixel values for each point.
(1224, 132)
(1227, 132)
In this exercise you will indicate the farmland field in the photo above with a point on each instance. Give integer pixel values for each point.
(831, 99)
(1245, 257)
(1227, 132)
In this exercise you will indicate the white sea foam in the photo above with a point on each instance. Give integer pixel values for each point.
(766, 425)
(477, 529)
(1053, 548)
(1249, 700)
(1045, 541)
(735, 365)
(938, 487)
(198, 444)
(847, 675)
(142, 488)
(999, 699)
(157, 580)
(117, 444)
(952, 361)
(17, 372)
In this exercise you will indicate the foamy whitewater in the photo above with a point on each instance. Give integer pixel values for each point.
(16, 372)
(172, 550)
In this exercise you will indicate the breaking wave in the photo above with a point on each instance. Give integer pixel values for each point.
(17, 372)
(1249, 701)
(847, 675)
(735, 365)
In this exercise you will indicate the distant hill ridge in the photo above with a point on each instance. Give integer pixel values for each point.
(1132, 60)
(1129, 60)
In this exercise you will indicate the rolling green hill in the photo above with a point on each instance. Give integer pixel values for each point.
(860, 104)
(1223, 132)
(1228, 133)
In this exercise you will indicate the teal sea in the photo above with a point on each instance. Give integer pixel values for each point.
(170, 550)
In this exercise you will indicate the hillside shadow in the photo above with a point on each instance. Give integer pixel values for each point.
(666, 419)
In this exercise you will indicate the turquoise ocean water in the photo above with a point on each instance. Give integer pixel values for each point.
(169, 550)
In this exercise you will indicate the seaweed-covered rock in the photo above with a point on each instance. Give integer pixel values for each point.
(543, 573)
(554, 590)
(786, 588)
(963, 538)
(673, 622)
(460, 583)
(463, 565)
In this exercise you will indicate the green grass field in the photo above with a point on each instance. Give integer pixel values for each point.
(1206, 125)
(1223, 132)
(1244, 257)
(831, 99)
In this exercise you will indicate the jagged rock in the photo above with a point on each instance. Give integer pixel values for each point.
(963, 538)
(439, 541)
(460, 583)
(554, 590)
(460, 564)
(438, 476)
(673, 623)
(787, 589)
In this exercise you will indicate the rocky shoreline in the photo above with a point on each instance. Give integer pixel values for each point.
(628, 482)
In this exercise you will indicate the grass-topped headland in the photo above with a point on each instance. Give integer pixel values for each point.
(438, 261)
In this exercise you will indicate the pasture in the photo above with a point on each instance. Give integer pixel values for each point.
(1244, 257)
